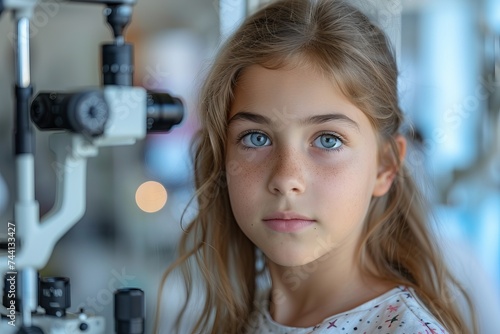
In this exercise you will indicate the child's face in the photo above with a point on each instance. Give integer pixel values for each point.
(301, 165)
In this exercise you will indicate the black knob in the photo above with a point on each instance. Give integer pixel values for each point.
(55, 295)
(129, 311)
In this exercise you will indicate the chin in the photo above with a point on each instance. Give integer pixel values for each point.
(289, 259)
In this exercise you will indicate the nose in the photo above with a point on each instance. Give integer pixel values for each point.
(287, 174)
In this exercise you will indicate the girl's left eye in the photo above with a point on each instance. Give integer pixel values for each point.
(328, 141)
(255, 139)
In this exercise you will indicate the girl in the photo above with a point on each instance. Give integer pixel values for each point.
(299, 175)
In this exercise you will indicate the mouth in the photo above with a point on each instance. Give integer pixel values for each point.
(287, 222)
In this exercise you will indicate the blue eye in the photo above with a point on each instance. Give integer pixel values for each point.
(255, 139)
(328, 141)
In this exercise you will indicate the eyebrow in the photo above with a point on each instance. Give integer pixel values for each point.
(313, 120)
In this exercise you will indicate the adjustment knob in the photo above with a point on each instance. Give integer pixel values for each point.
(55, 295)
(129, 311)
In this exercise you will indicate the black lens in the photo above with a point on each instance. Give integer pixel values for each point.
(163, 112)
(55, 295)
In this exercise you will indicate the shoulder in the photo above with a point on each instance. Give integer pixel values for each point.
(397, 311)
(417, 315)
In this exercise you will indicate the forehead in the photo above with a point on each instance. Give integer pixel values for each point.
(291, 92)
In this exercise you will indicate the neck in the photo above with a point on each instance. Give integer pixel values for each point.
(303, 296)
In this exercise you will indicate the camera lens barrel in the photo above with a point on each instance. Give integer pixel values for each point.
(54, 295)
(83, 112)
(88, 112)
(163, 112)
(129, 311)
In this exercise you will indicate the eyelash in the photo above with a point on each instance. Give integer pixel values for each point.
(336, 135)
(244, 134)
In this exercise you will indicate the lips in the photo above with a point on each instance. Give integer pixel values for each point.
(287, 222)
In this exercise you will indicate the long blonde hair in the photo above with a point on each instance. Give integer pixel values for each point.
(343, 43)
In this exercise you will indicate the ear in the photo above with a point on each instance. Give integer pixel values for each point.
(388, 168)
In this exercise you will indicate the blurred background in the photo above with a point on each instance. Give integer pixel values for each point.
(449, 57)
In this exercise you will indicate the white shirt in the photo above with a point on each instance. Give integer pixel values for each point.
(396, 311)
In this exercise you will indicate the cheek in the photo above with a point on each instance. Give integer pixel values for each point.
(245, 182)
(344, 188)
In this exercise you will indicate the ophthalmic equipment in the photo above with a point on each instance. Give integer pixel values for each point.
(116, 113)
